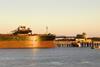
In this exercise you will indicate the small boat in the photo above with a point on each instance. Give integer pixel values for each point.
(95, 47)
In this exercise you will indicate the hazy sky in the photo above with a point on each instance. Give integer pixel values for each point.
(66, 17)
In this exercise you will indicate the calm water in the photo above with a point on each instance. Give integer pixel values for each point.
(58, 57)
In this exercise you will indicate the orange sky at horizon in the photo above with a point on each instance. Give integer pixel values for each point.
(63, 17)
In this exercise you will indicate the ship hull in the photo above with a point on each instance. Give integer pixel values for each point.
(26, 41)
(27, 44)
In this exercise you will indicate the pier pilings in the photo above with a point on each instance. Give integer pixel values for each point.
(75, 44)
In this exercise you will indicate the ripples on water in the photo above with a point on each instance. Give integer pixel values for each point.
(58, 57)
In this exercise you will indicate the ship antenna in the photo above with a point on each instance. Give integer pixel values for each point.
(46, 29)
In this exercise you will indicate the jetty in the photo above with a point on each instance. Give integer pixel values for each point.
(80, 40)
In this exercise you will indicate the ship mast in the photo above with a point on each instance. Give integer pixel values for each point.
(46, 29)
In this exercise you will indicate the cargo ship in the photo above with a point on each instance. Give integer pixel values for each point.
(22, 37)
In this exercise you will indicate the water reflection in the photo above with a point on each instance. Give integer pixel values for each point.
(58, 57)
